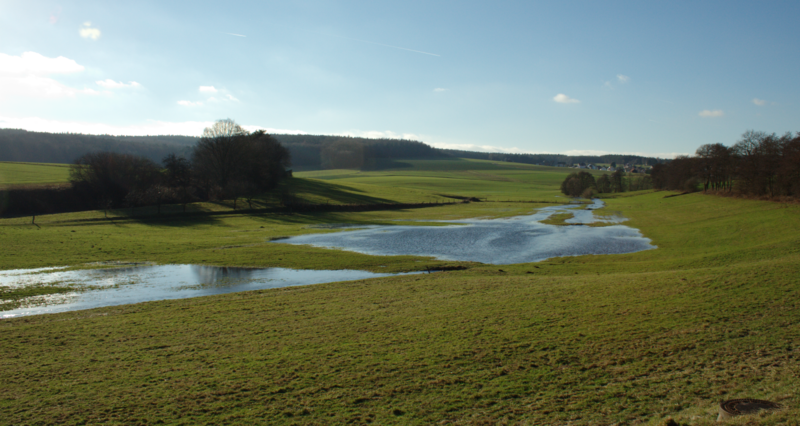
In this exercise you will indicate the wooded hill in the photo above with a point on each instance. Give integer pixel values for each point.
(308, 152)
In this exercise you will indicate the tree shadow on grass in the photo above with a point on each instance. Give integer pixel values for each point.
(318, 218)
(338, 193)
(173, 215)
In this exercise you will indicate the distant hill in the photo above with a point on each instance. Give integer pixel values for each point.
(309, 152)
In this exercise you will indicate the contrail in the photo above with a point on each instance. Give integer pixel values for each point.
(237, 35)
(388, 45)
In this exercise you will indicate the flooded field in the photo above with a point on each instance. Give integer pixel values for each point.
(95, 288)
(519, 239)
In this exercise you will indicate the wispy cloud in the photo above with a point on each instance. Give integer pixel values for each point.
(623, 78)
(579, 152)
(55, 15)
(572, 152)
(149, 127)
(231, 98)
(208, 89)
(34, 63)
(111, 84)
(272, 130)
(709, 113)
(233, 34)
(86, 31)
(759, 102)
(190, 103)
(26, 76)
(388, 45)
(564, 99)
(475, 147)
(379, 134)
(439, 89)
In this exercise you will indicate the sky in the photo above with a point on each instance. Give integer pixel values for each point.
(657, 78)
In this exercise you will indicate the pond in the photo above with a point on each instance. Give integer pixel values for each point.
(519, 239)
(95, 288)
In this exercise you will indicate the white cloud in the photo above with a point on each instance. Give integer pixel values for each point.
(475, 147)
(190, 103)
(208, 89)
(578, 152)
(150, 127)
(34, 63)
(564, 99)
(111, 84)
(607, 84)
(271, 130)
(26, 75)
(86, 31)
(231, 98)
(623, 78)
(572, 152)
(38, 86)
(709, 113)
(439, 89)
(379, 134)
(759, 102)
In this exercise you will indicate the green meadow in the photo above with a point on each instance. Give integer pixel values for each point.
(32, 173)
(712, 314)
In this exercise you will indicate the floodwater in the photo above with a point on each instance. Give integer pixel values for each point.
(117, 286)
(519, 239)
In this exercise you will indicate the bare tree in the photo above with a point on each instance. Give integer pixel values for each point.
(238, 163)
(220, 152)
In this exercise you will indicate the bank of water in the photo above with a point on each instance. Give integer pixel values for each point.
(519, 239)
(96, 288)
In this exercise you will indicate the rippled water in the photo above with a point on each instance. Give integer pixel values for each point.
(519, 239)
(120, 286)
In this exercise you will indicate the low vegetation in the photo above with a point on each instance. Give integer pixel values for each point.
(712, 314)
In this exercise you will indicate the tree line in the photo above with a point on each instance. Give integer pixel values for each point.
(554, 159)
(42, 147)
(584, 184)
(308, 152)
(758, 164)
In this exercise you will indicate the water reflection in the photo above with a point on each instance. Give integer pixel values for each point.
(118, 286)
(519, 239)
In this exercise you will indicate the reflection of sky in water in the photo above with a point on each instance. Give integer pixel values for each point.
(147, 283)
(519, 239)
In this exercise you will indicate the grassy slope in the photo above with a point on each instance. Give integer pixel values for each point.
(712, 314)
(32, 173)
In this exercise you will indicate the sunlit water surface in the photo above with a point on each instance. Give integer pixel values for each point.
(518, 239)
(120, 286)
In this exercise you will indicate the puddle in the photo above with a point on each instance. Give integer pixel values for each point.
(118, 286)
(519, 239)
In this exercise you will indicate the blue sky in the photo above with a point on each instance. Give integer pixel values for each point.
(656, 78)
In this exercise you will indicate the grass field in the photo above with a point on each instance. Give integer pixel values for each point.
(32, 173)
(712, 314)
